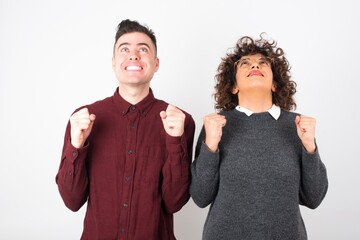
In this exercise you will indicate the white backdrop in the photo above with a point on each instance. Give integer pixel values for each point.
(56, 56)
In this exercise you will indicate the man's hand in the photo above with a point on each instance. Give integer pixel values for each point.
(306, 130)
(81, 124)
(173, 120)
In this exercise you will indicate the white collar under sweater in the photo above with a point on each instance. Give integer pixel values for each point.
(274, 111)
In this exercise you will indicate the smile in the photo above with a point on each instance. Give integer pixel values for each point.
(133, 68)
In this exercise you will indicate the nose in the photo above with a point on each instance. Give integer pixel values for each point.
(255, 65)
(133, 57)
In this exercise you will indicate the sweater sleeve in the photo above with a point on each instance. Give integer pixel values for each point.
(204, 173)
(176, 173)
(72, 177)
(314, 182)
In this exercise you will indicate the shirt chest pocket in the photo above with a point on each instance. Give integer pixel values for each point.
(151, 162)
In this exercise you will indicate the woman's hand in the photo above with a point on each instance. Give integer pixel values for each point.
(213, 124)
(306, 131)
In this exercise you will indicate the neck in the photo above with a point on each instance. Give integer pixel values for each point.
(133, 95)
(255, 102)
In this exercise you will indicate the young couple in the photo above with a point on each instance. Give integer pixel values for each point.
(129, 156)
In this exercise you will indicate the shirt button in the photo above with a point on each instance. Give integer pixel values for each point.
(133, 108)
(74, 153)
(127, 178)
(125, 205)
(130, 151)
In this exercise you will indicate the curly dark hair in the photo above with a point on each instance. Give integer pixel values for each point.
(225, 77)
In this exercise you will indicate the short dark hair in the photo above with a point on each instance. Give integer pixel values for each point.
(128, 26)
(285, 88)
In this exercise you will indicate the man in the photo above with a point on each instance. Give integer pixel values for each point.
(128, 155)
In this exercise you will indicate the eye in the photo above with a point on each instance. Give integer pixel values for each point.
(264, 62)
(143, 49)
(124, 49)
(244, 62)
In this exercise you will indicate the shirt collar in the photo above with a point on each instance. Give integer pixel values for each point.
(274, 111)
(124, 106)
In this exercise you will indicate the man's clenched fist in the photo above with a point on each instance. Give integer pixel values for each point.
(173, 120)
(81, 124)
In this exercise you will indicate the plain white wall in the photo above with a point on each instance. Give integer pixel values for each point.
(56, 56)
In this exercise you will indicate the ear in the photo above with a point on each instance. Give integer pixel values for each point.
(113, 63)
(273, 88)
(157, 63)
(234, 90)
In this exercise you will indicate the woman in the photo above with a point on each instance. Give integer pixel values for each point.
(256, 161)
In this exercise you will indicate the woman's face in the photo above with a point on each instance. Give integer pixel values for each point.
(253, 73)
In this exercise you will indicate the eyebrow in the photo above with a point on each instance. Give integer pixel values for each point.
(138, 44)
(261, 58)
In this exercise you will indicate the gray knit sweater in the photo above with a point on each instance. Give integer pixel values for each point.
(257, 179)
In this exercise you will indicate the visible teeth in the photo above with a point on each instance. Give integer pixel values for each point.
(133, 68)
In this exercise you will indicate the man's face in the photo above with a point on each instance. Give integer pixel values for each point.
(134, 61)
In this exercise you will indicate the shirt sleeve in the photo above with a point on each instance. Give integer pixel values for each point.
(314, 182)
(72, 177)
(204, 173)
(176, 176)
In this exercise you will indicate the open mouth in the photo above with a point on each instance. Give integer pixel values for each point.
(133, 68)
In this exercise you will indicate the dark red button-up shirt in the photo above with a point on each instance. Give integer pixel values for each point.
(131, 173)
